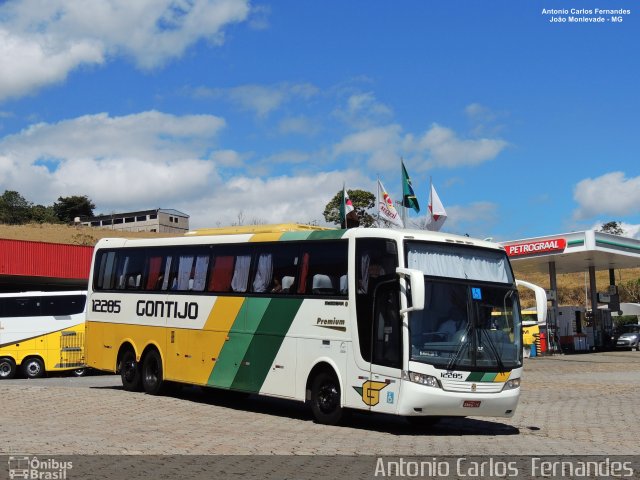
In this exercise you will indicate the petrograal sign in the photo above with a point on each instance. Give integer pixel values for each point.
(534, 248)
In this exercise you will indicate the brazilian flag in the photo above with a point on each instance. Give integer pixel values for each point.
(409, 199)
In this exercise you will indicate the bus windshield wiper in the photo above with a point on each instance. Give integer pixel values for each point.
(464, 340)
(493, 349)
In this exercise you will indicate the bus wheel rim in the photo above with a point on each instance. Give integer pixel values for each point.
(129, 370)
(327, 398)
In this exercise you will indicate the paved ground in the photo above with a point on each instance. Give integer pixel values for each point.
(579, 404)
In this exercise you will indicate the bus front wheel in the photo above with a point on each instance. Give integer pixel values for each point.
(130, 372)
(7, 368)
(152, 378)
(325, 399)
(33, 367)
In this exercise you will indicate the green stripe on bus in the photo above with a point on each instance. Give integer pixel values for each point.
(326, 235)
(266, 343)
(230, 361)
(232, 352)
(489, 377)
(475, 377)
(254, 313)
(294, 236)
(481, 377)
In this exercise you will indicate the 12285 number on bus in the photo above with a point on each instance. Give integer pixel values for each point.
(105, 306)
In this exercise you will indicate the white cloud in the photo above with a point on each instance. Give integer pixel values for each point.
(260, 99)
(363, 110)
(140, 160)
(476, 219)
(273, 200)
(628, 229)
(28, 64)
(291, 157)
(153, 159)
(298, 125)
(41, 41)
(631, 230)
(259, 19)
(446, 149)
(384, 145)
(381, 146)
(229, 158)
(609, 194)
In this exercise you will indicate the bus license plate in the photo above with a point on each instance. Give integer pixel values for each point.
(471, 404)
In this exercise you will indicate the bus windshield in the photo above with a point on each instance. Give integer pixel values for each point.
(471, 319)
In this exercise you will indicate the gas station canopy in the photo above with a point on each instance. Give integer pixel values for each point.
(574, 252)
(578, 252)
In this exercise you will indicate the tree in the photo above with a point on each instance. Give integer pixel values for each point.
(14, 208)
(362, 201)
(612, 227)
(42, 214)
(68, 208)
(630, 291)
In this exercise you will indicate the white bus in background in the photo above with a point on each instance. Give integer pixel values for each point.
(392, 321)
(41, 332)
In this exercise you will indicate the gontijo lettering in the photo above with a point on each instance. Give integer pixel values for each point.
(159, 308)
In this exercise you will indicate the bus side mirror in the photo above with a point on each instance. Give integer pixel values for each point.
(416, 278)
(541, 300)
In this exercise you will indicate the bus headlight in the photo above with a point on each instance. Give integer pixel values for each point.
(511, 384)
(421, 378)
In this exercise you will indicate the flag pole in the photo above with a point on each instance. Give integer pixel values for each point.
(343, 209)
(430, 205)
(404, 206)
(378, 198)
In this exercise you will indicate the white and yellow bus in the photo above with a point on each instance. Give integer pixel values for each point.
(41, 332)
(391, 321)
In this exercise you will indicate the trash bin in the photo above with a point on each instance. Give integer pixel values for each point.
(543, 342)
(532, 351)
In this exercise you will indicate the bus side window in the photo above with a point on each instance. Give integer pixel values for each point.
(200, 273)
(323, 266)
(241, 273)
(23, 307)
(106, 273)
(154, 276)
(221, 274)
(264, 273)
(276, 268)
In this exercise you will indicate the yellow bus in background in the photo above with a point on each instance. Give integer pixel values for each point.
(41, 332)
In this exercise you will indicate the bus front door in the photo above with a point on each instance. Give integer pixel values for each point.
(386, 349)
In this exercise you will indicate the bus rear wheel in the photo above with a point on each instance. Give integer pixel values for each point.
(130, 372)
(33, 367)
(80, 372)
(7, 368)
(325, 399)
(152, 378)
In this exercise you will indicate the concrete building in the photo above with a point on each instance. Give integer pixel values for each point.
(161, 220)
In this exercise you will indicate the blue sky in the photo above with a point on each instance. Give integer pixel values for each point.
(261, 110)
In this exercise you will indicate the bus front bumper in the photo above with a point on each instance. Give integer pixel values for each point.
(420, 400)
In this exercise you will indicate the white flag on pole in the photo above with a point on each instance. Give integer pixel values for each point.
(386, 209)
(437, 213)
